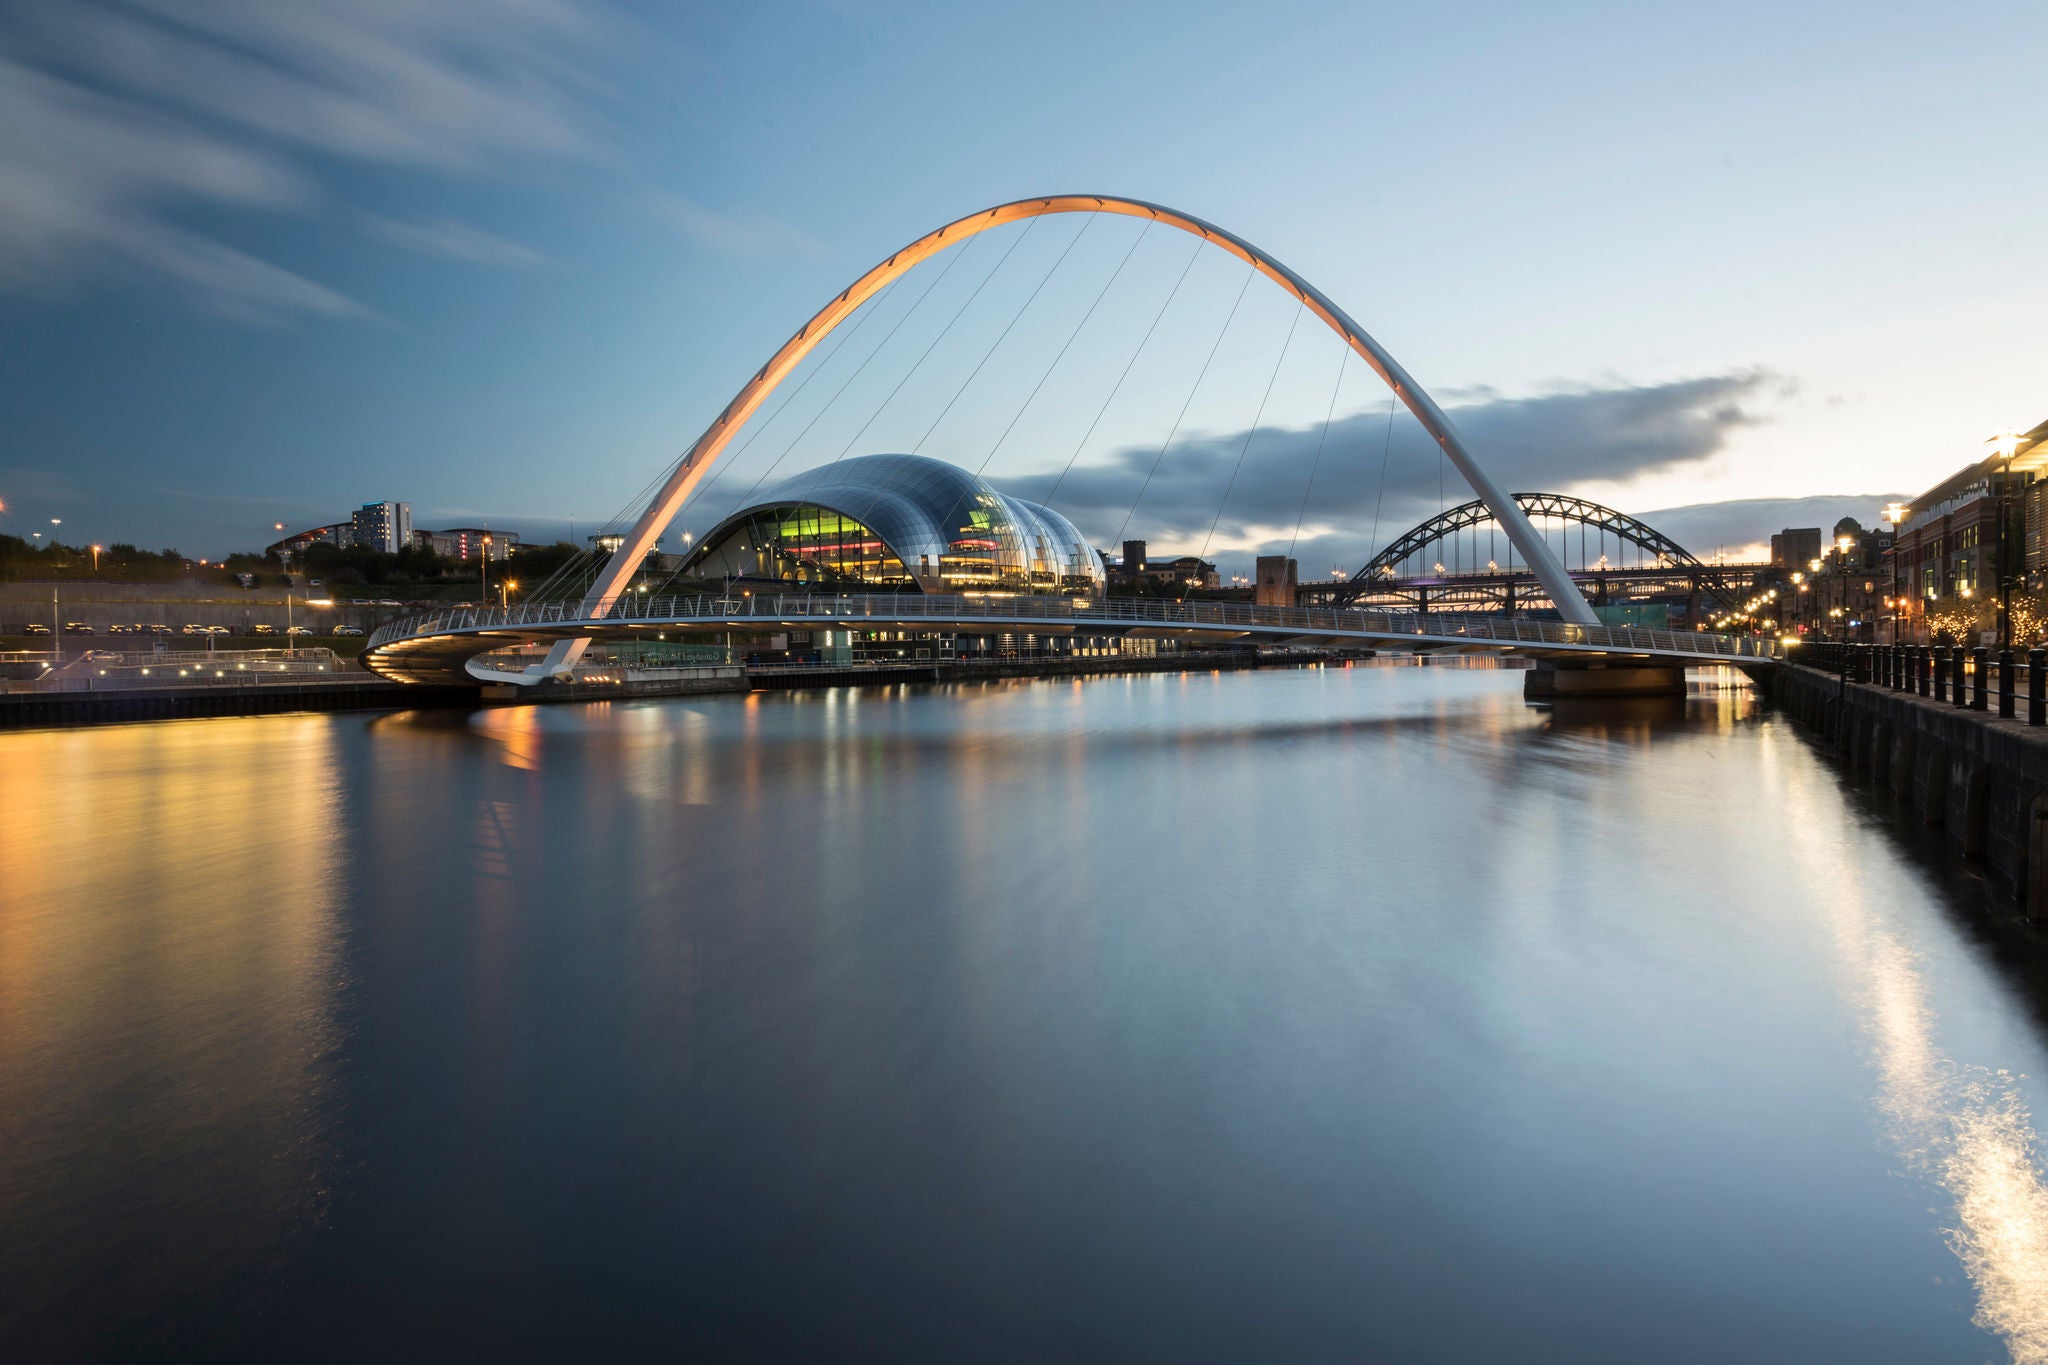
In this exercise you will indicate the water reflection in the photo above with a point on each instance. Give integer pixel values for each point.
(169, 965)
(1368, 1001)
(1965, 1129)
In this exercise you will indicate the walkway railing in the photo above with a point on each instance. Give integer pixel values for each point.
(2011, 682)
(1111, 615)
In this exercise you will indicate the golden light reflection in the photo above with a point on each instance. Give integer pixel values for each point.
(1965, 1129)
(517, 731)
(167, 995)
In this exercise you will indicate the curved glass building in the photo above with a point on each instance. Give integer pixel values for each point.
(899, 521)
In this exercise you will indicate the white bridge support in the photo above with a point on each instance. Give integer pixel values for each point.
(604, 593)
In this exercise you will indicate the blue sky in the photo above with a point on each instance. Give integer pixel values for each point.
(504, 260)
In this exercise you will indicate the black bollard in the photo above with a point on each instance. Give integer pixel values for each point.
(2037, 687)
(1941, 673)
(1980, 678)
(2005, 681)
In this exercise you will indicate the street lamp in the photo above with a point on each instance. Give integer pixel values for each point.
(96, 558)
(506, 587)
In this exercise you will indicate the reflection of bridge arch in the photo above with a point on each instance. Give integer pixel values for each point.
(1551, 507)
(683, 480)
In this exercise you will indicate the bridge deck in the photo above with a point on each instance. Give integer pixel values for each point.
(437, 647)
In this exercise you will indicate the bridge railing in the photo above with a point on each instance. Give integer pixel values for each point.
(1111, 614)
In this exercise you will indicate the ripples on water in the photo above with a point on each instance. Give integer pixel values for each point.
(1318, 1014)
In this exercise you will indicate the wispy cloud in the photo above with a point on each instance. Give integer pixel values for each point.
(457, 241)
(112, 119)
(736, 234)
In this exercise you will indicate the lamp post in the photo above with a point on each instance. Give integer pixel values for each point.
(2006, 443)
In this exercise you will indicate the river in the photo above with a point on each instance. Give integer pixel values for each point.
(1329, 1014)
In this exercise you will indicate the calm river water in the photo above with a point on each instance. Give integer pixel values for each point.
(1334, 1014)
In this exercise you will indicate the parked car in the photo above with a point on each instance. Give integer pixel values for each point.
(300, 630)
(263, 630)
(118, 629)
(35, 628)
(161, 630)
(77, 628)
(348, 630)
(218, 630)
(194, 628)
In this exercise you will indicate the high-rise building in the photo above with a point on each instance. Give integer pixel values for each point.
(385, 526)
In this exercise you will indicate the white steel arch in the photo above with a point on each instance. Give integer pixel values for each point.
(1549, 570)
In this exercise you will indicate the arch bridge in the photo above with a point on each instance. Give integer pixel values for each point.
(439, 646)
(1657, 561)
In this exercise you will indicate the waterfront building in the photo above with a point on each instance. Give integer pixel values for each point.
(1967, 543)
(385, 526)
(900, 522)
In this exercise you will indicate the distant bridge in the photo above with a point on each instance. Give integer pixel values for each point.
(444, 646)
(1411, 567)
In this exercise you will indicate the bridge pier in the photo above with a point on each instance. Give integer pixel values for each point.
(1552, 679)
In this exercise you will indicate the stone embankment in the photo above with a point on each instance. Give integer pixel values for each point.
(1982, 778)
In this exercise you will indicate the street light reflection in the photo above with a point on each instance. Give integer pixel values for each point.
(1965, 1129)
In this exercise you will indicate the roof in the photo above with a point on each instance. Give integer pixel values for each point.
(919, 505)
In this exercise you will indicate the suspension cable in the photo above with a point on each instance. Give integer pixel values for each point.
(1204, 374)
(943, 331)
(1087, 222)
(1386, 452)
(1117, 387)
(1018, 416)
(1252, 431)
(1071, 336)
(1344, 359)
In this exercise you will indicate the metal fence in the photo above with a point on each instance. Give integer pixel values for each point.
(1112, 615)
(2011, 682)
(112, 670)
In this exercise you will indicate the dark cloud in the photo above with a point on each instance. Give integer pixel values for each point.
(1545, 443)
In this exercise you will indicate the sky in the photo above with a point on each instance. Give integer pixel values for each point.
(1742, 266)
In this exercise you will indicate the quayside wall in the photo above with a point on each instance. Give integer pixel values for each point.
(1981, 779)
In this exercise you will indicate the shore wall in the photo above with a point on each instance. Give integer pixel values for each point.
(1982, 780)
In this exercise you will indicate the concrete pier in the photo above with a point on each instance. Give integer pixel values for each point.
(1552, 680)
